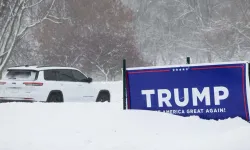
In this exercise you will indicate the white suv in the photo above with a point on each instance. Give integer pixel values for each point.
(49, 84)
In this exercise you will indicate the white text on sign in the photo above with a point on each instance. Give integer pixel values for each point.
(164, 96)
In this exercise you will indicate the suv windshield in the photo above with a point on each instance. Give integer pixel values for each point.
(27, 75)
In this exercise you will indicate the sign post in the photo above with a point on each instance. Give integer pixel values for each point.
(188, 60)
(124, 84)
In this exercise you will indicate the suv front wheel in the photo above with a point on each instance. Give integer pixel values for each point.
(103, 96)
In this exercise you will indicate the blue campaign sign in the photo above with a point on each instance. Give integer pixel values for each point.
(211, 91)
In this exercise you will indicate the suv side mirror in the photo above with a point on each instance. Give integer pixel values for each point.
(89, 79)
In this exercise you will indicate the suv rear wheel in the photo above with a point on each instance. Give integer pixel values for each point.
(55, 97)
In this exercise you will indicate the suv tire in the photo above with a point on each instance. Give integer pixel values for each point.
(103, 96)
(55, 97)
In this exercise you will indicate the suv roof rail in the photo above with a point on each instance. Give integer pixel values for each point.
(41, 66)
(24, 65)
(48, 66)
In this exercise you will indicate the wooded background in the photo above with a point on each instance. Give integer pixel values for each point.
(95, 35)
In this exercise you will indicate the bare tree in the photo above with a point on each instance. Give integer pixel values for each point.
(17, 18)
(96, 40)
(208, 31)
(105, 53)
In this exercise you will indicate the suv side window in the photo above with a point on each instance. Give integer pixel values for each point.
(78, 75)
(50, 75)
(65, 75)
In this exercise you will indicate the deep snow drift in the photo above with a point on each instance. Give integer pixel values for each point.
(105, 126)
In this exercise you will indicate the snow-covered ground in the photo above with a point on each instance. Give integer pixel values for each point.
(105, 126)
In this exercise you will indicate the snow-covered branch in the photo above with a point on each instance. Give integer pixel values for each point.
(15, 26)
(33, 5)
